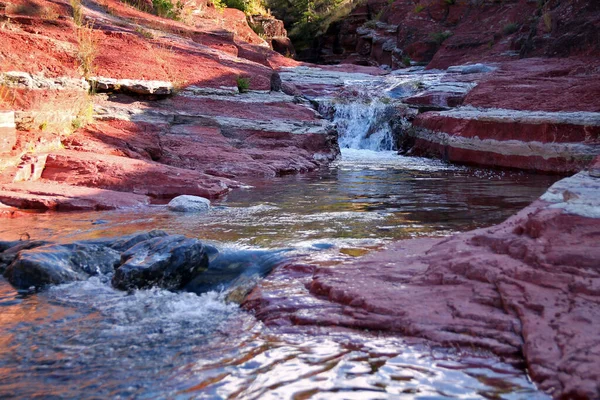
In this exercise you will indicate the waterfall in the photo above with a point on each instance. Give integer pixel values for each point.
(365, 124)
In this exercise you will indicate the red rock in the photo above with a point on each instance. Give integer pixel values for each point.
(52, 196)
(528, 286)
(129, 175)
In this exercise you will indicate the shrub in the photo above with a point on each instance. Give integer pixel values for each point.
(87, 49)
(406, 61)
(440, 37)
(419, 8)
(145, 33)
(371, 24)
(547, 21)
(510, 28)
(450, 2)
(243, 84)
(77, 12)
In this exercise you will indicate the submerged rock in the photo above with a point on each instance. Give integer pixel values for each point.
(186, 203)
(169, 262)
(235, 272)
(56, 264)
(10, 250)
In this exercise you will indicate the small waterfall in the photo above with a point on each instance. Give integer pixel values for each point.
(365, 124)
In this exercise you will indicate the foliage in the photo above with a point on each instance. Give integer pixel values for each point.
(77, 12)
(87, 49)
(145, 33)
(162, 8)
(406, 61)
(310, 18)
(547, 21)
(371, 24)
(219, 4)
(440, 37)
(418, 8)
(243, 84)
(510, 28)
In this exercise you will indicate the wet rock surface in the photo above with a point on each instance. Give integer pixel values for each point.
(55, 264)
(168, 262)
(526, 287)
(138, 261)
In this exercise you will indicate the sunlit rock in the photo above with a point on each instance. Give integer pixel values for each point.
(187, 203)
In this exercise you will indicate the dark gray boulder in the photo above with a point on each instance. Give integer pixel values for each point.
(122, 243)
(169, 262)
(10, 250)
(56, 264)
(236, 271)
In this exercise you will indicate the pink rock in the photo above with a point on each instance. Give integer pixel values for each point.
(52, 196)
(528, 287)
(129, 175)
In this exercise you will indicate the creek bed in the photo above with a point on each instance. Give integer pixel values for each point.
(86, 339)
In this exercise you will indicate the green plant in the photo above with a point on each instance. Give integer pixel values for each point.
(243, 84)
(85, 114)
(77, 12)
(440, 37)
(418, 8)
(547, 21)
(510, 28)
(390, 2)
(43, 126)
(219, 4)
(145, 33)
(450, 2)
(406, 61)
(87, 49)
(371, 24)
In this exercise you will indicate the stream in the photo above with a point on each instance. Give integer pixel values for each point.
(88, 340)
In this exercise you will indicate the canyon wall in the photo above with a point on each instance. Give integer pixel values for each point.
(442, 33)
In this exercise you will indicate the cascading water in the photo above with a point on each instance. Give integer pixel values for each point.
(369, 114)
(365, 125)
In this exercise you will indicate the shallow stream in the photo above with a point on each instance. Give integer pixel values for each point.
(86, 339)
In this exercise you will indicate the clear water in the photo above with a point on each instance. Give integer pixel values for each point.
(87, 340)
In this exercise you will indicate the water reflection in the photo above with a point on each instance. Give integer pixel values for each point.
(87, 340)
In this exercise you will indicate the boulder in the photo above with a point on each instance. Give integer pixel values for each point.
(169, 262)
(122, 243)
(236, 272)
(10, 250)
(56, 264)
(187, 203)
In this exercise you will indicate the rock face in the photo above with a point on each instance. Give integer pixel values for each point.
(445, 33)
(527, 287)
(168, 262)
(521, 115)
(189, 204)
(164, 116)
(56, 264)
